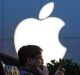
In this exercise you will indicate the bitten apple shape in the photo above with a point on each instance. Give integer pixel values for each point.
(43, 32)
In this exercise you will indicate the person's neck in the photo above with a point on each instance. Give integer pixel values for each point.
(30, 67)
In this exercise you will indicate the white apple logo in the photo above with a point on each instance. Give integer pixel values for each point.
(43, 32)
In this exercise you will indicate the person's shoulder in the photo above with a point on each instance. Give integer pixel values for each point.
(23, 71)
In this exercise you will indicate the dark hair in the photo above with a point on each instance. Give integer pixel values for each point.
(28, 51)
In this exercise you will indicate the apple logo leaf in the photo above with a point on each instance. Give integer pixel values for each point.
(46, 10)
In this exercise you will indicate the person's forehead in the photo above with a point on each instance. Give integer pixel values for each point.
(40, 55)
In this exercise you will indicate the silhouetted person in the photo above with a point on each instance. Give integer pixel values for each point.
(30, 58)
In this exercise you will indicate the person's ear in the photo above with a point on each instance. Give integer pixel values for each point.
(28, 60)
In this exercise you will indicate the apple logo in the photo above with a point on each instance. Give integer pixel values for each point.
(43, 32)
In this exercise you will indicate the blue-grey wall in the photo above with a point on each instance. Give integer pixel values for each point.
(14, 11)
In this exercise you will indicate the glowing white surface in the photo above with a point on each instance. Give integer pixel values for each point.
(44, 33)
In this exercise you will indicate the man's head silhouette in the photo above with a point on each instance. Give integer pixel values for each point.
(30, 55)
